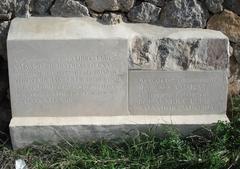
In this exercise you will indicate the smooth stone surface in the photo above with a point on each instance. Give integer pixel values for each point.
(61, 77)
(35, 28)
(175, 93)
(45, 28)
(27, 130)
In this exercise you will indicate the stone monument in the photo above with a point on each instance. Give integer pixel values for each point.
(79, 80)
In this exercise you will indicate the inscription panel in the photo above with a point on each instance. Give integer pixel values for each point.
(177, 93)
(68, 78)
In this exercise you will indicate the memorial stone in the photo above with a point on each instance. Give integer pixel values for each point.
(80, 80)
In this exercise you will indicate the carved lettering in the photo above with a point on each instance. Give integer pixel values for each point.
(176, 92)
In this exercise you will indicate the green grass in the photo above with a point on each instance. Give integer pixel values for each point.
(234, 107)
(215, 148)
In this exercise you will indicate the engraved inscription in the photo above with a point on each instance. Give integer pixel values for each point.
(160, 93)
(80, 82)
(63, 77)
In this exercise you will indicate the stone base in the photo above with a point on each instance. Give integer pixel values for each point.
(27, 130)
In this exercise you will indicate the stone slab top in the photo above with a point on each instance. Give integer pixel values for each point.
(57, 28)
(117, 120)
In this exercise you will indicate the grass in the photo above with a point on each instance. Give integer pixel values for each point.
(215, 148)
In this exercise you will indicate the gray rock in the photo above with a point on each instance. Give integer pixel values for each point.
(230, 50)
(94, 14)
(3, 37)
(184, 13)
(5, 17)
(236, 52)
(110, 5)
(69, 8)
(178, 54)
(145, 13)
(22, 8)
(111, 18)
(214, 6)
(5, 6)
(233, 5)
(41, 7)
(159, 3)
(6, 9)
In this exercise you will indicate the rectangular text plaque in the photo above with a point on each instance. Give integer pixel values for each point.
(176, 93)
(68, 77)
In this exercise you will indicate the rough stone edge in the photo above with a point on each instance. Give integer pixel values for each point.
(128, 31)
(25, 131)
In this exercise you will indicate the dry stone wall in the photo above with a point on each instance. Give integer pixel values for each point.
(222, 15)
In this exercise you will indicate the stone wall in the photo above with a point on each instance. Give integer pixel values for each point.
(212, 14)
